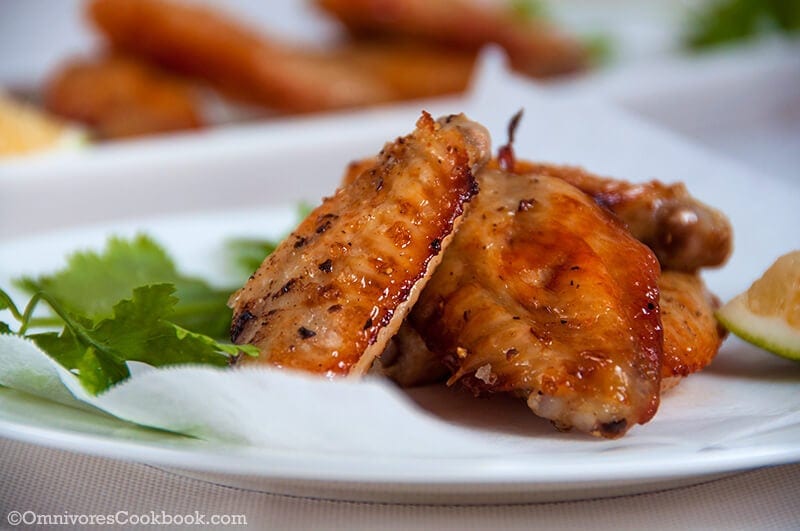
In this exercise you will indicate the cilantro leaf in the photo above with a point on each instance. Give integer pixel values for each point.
(139, 329)
(95, 369)
(92, 283)
(6, 304)
(248, 253)
(725, 21)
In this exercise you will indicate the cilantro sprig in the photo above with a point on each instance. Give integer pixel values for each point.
(131, 303)
(128, 303)
(92, 283)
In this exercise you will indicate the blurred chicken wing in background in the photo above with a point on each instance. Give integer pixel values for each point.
(121, 97)
(535, 47)
(422, 54)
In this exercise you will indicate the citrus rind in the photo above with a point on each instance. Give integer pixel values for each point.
(771, 333)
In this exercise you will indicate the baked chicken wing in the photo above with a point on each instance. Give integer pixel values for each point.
(692, 336)
(535, 47)
(685, 234)
(202, 43)
(546, 295)
(331, 295)
(122, 97)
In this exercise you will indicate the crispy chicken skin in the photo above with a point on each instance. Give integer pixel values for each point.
(534, 47)
(692, 336)
(546, 295)
(333, 293)
(685, 234)
(122, 97)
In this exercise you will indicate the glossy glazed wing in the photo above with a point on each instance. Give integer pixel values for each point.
(546, 295)
(685, 234)
(692, 336)
(332, 294)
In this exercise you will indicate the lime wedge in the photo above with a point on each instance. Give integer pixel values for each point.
(768, 314)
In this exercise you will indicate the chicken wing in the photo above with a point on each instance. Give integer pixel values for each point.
(331, 295)
(200, 42)
(534, 47)
(121, 97)
(685, 234)
(546, 295)
(409, 69)
(692, 336)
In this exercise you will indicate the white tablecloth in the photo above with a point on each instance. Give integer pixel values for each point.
(37, 481)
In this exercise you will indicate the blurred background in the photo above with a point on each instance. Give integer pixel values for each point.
(79, 74)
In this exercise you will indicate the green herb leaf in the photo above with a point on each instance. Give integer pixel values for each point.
(600, 48)
(95, 369)
(726, 21)
(303, 210)
(92, 283)
(7, 304)
(527, 10)
(248, 253)
(138, 330)
(786, 13)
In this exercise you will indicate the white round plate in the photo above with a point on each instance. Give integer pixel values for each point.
(739, 414)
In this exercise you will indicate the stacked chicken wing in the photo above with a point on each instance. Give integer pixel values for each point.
(577, 293)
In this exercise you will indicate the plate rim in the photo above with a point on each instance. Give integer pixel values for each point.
(476, 471)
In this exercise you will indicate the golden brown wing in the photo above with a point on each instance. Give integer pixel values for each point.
(685, 234)
(546, 295)
(535, 47)
(121, 97)
(692, 336)
(203, 43)
(410, 69)
(338, 287)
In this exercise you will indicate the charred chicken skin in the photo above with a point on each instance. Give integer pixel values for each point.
(333, 293)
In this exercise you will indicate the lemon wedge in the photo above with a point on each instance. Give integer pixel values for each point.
(24, 129)
(768, 314)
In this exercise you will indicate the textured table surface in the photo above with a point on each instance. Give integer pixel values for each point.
(37, 481)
